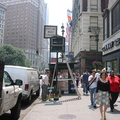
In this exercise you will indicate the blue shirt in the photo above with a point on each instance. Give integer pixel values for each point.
(85, 77)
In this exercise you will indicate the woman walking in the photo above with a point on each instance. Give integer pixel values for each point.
(114, 88)
(103, 94)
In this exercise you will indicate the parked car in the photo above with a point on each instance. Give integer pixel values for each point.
(30, 78)
(10, 95)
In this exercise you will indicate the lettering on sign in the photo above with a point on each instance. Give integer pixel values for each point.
(50, 31)
(110, 45)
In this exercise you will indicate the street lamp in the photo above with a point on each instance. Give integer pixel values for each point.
(96, 31)
(62, 27)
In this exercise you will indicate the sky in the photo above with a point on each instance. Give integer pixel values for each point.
(58, 12)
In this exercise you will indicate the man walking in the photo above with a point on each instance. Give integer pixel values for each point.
(45, 86)
(92, 88)
(85, 82)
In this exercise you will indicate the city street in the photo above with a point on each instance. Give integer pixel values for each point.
(71, 108)
(53, 45)
(24, 110)
(68, 107)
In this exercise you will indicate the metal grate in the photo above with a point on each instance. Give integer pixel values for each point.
(67, 116)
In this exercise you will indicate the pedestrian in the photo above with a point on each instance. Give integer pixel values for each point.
(77, 79)
(81, 80)
(85, 82)
(114, 87)
(59, 84)
(45, 84)
(92, 88)
(103, 94)
(74, 75)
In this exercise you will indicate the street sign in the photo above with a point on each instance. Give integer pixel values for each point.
(50, 31)
(69, 56)
(57, 44)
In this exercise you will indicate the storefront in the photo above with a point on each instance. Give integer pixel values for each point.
(112, 61)
(111, 56)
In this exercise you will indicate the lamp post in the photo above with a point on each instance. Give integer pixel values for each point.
(96, 31)
(62, 27)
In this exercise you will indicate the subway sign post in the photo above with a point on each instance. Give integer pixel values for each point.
(57, 44)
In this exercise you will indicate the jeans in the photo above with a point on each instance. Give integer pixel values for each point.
(85, 88)
(44, 91)
(93, 95)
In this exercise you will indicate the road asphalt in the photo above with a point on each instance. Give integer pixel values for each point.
(69, 107)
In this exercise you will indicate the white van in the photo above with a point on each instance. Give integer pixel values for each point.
(30, 78)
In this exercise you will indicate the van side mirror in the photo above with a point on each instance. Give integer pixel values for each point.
(18, 82)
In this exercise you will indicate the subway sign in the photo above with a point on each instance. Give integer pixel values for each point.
(110, 45)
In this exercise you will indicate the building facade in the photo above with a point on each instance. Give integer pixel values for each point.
(2, 23)
(111, 36)
(87, 33)
(24, 26)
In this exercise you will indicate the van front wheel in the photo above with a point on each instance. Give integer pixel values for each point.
(15, 111)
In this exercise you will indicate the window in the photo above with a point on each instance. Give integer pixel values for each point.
(116, 18)
(106, 24)
(92, 43)
(112, 65)
(94, 5)
(84, 5)
(105, 34)
(93, 21)
(7, 79)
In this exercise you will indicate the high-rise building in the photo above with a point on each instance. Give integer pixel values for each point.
(87, 32)
(2, 23)
(111, 36)
(24, 27)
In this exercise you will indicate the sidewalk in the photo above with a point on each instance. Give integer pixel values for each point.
(69, 107)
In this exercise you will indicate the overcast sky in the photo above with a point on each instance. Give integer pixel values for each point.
(58, 12)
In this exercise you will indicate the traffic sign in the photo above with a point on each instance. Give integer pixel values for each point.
(50, 31)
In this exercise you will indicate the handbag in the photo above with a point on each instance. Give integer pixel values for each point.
(90, 84)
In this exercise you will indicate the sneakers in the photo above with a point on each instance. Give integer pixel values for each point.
(95, 106)
(84, 93)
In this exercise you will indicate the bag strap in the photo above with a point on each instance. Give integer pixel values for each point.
(92, 82)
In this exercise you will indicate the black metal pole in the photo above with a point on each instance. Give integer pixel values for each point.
(97, 39)
(56, 72)
(62, 27)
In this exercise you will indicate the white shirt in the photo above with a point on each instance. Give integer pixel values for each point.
(94, 84)
(97, 75)
(45, 80)
(59, 78)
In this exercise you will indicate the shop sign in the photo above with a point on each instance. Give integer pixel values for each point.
(110, 45)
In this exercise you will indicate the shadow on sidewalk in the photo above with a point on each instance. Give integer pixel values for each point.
(115, 112)
(59, 102)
